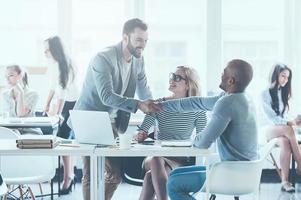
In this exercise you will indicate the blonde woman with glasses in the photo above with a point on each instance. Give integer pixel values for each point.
(184, 82)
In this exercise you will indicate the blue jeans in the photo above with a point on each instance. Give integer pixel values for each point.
(183, 182)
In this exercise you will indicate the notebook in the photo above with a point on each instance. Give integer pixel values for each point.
(37, 141)
(92, 127)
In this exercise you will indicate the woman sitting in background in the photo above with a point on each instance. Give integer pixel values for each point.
(172, 126)
(62, 97)
(19, 99)
(275, 105)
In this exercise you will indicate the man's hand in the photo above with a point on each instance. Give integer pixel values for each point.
(149, 106)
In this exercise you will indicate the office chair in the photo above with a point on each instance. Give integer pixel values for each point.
(226, 177)
(132, 172)
(24, 170)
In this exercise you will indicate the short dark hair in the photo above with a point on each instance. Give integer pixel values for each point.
(243, 73)
(131, 24)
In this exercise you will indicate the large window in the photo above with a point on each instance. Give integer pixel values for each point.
(24, 25)
(95, 25)
(256, 38)
(203, 34)
(176, 38)
(258, 32)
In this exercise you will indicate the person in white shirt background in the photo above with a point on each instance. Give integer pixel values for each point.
(18, 99)
(62, 97)
(275, 104)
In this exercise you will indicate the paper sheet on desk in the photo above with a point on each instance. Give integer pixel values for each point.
(37, 120)
(142, 146)
(181, 143)
(14, 120)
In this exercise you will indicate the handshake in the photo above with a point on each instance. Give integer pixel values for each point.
(149, 106)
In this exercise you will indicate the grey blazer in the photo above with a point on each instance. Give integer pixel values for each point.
(102, 86)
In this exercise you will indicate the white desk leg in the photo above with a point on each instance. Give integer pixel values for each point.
(101, 177)
(207, 176)
(93, 179)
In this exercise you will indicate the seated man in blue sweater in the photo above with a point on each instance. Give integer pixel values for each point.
(233, 125)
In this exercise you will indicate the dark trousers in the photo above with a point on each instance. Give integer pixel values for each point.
(64, 129)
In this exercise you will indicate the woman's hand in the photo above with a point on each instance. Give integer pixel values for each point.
(46, 109)
(141, 136)
(291, 123)
(18, 90)
(294, 122)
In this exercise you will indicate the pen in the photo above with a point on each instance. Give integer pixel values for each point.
(69, 145)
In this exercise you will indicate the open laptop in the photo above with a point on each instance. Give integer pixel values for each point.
(92, 127)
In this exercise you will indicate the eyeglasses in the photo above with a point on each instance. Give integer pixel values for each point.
(176, 77)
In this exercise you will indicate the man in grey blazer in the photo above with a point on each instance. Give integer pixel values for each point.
(113, 77)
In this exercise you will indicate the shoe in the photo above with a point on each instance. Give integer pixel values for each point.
(65, 191)
(287, 187)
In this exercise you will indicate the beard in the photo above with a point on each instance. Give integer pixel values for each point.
(222, 86)
(134, 50)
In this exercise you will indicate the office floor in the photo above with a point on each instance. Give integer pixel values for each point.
(268, 191)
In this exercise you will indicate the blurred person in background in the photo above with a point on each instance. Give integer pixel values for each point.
(62, 97)
(277, 124)
(18, 99)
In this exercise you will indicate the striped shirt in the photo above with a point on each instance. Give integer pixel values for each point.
(175, 125)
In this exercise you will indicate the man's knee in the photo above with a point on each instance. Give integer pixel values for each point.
(113, 170)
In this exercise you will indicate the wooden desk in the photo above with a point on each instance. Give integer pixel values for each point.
(140, 150)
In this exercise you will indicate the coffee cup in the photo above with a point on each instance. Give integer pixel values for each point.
(125, 141)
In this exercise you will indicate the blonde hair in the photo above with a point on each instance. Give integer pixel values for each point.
(192, 80)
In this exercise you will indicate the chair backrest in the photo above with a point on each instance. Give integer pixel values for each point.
(6, 133)
(237, 177)
(226, 177)
(25, 169)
